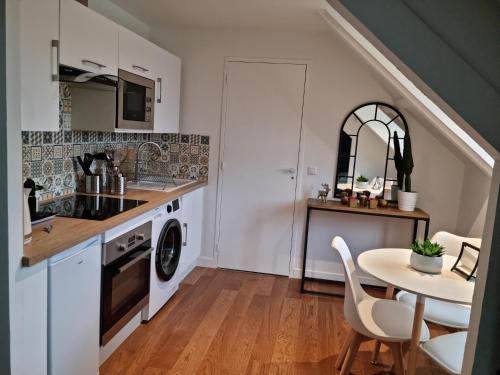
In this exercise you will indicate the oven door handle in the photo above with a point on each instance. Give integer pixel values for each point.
(135, 260)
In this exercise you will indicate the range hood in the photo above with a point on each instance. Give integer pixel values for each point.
(93, 98)
(75, 75)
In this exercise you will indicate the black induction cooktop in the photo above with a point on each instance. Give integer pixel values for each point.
(90, 207)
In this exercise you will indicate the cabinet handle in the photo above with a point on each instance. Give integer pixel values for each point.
(87, 62)
(135, 260)
(185, 242)
(160, 89)
(55, 59)
(140, 68)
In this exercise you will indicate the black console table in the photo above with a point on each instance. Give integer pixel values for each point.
(335, 206)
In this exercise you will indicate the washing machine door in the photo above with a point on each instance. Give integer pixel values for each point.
(168, 250)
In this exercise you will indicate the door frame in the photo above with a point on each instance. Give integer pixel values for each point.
(222, 143)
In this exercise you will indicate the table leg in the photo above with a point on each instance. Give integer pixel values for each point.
(415, 336)
(426, 234)
(415, 230)
(389, 293)
(302, 282)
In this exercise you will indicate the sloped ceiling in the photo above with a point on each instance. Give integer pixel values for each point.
(451, 45)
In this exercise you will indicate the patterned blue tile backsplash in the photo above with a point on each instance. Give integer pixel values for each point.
(50, 157)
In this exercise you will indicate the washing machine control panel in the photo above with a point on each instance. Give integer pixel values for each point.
(173, 206)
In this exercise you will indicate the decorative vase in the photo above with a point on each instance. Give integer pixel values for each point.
(407, 200)
(426, 264)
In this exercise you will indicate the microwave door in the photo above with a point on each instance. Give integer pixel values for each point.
(135, 102)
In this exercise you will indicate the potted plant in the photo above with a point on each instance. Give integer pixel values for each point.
(362, 182)
(407, 199)
(427, 256)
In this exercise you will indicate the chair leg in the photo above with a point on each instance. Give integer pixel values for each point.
(376, 351)
(344, 349)
(397, 355)
(351, 353)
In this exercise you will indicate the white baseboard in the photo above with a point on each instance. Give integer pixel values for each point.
(207, 262)
(333, 276)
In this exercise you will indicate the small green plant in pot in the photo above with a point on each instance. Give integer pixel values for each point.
(427, 256)
(362, 182)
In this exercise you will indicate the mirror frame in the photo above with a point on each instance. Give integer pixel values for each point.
(336, 192)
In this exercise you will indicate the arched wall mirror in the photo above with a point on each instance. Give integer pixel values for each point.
(366, 149)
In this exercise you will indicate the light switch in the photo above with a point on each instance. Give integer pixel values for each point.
(312, 170)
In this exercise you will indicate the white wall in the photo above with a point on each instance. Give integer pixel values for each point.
(338, 80)
(28, 286)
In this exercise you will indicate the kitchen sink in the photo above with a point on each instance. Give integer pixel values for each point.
(171, 185)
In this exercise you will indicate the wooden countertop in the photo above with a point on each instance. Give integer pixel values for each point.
(390, 211)
(68, 232)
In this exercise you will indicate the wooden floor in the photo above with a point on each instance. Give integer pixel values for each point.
(229, 322)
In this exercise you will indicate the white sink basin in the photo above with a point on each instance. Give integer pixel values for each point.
(160, 186)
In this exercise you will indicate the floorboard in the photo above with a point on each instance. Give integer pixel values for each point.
(231, 322)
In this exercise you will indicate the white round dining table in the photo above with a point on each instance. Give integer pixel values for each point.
(392, 267)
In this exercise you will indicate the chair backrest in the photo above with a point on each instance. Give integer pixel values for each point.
(354, 293)
(453, 244)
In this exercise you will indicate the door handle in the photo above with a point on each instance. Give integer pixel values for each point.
(138, 67)
(185, 242)
(55, 59)
(292, 170)
(160, 88)
(135, 260)
(90, 62)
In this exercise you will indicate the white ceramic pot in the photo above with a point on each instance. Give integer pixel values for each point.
(362, 185)
(407, 200)
(426, 264)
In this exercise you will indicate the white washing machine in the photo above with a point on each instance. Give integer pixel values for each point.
(167, 241)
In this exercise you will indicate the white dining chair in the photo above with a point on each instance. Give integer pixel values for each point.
(446, 313)
(370, 318)
(447, 351)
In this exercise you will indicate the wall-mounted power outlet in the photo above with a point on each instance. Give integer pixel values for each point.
(312, 170)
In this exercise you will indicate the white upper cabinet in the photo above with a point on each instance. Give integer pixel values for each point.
(168, 91)
(39, 35)
(89, 41)
(136, 54)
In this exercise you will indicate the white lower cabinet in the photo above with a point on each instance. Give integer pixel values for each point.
(74, 310)
(192, 221)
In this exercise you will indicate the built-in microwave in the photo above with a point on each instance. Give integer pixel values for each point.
(108, 102)
(136, 98)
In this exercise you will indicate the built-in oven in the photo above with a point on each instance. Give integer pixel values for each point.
(126, 264)
(136, 98)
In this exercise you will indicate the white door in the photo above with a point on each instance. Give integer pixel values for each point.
(263, 115)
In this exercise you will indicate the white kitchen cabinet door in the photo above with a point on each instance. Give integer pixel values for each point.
(136, 54)
(89, 41)
(39, 35)
(192, 226)
(168, 91)
(74, 310)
